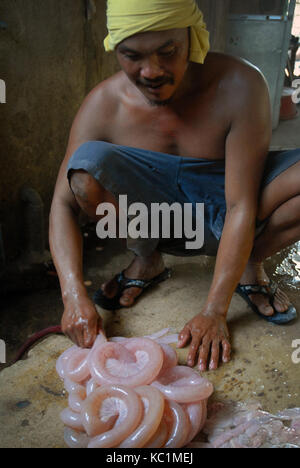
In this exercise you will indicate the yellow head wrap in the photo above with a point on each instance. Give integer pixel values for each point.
(128, 17)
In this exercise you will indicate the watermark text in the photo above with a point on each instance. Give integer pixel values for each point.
(296, 353)
(134, 220)
(2, 352)
(296, 93)
(2, 92)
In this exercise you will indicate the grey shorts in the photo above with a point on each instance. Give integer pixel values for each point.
(153, 177)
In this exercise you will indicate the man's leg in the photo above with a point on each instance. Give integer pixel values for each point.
(89, 194)
(280, 204)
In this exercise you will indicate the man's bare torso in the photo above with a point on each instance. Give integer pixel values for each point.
(195, 125)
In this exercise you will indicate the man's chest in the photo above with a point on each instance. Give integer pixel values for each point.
(196, 131)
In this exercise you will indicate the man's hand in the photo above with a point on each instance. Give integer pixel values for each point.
(81, 322)
(209, 338)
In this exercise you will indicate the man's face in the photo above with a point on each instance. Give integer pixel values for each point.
(156, 62)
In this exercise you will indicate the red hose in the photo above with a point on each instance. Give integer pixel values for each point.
(34, 338)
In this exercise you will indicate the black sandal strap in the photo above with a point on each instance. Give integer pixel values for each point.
(256, 289)
(131, 283)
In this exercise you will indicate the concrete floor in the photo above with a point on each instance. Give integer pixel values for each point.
(32, 396)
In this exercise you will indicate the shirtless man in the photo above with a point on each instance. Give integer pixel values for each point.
(162, 102)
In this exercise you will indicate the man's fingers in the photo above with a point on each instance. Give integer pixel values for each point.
(203, 354)
(184, 337)
(79, 338)
(226, 351)
(215, 354)
(89, 337)
(193, 350)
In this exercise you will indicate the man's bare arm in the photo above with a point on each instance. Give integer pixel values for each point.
(246, 150)
(80, 320)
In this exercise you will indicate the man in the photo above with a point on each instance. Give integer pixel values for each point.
(177, 124)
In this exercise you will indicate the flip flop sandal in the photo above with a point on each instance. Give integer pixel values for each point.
(125, 283)
(278, 318)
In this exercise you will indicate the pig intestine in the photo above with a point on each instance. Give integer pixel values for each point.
(131, 393)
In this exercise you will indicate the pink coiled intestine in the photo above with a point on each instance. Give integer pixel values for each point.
(131, 393)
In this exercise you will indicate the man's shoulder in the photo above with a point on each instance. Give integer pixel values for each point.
(238, 84)
(107, 92)
(100, 106)
(239, 89)
(234, 73)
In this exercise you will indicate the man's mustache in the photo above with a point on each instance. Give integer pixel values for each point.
(156, 82)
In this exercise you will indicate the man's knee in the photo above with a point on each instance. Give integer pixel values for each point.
(80, 182)
(89, 193)
(86, 189)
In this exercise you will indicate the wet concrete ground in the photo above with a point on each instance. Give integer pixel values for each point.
(31, 395)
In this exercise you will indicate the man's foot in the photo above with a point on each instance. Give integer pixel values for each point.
(144, 268)
(255, 274)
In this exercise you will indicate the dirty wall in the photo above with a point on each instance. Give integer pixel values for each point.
(50, 57)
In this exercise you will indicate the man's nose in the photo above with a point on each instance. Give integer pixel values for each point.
(151, 69)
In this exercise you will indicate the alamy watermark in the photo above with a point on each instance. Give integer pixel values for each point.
(2, 352)
(2, 92)
(134, 221)
(296, 93)
(296, 353)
